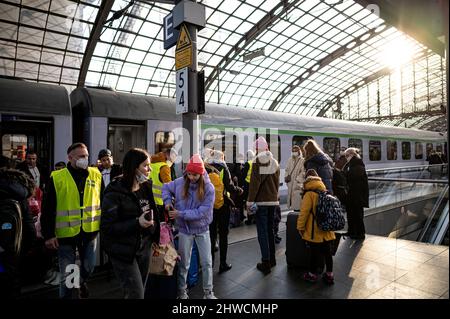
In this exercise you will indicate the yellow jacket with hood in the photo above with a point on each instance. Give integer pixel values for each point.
(308, 208)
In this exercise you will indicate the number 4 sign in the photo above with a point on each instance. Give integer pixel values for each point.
(182, 91)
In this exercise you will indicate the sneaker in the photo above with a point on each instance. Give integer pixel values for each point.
(183, 295)
(57, 279)
(50, 277)
(328, 278)
(309, 277)
(209, 295)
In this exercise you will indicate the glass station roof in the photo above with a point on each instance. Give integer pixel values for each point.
(312, 57)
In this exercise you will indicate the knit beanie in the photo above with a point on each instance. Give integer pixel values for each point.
(195, 165)
(261, 144)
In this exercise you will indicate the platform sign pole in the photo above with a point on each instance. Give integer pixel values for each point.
(190, 119)
(187, 17)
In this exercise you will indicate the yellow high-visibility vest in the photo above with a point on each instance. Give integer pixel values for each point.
(249, 173)
(70, 216)
(156, 182)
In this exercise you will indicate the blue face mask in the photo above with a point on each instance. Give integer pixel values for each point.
(141, 178)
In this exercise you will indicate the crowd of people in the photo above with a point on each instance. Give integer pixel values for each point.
(130, 204)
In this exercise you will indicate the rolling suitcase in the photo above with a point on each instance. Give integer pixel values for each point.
(297, 252)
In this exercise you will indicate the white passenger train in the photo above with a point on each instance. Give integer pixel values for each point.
(40, 117)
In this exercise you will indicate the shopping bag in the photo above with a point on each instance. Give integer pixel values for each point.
(163, 259)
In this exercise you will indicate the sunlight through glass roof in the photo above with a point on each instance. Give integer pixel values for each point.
(312, 57)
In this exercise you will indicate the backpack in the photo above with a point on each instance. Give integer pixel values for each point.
(329, 213)
(218, 189)
(10, 226)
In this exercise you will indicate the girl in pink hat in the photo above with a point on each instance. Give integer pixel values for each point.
(193, 198)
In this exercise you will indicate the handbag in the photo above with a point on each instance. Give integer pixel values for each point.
(163, 256)
(163, 259)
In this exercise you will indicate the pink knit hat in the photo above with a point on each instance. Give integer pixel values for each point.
(195, 165)
(261, 144)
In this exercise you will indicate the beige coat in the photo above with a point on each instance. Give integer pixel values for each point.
(296, 170)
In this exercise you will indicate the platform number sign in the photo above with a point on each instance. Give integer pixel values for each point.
(182, 91)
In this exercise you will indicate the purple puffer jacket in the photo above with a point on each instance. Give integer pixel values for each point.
(194, 216)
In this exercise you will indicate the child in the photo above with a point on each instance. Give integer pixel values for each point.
(318, 240)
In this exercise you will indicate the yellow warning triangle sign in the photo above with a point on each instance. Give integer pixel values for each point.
(184, 39)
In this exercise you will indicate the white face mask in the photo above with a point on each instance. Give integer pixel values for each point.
(82, 163)
(294, 154)
(141, 178)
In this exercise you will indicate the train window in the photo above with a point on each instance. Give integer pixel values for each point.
(164, 141)
(429, 149)
(332, 146)
(275, 149)
(406, 150)
(357, 143)
(300, 140)
(391, 148)
(14, 146)
(219, 140)
(375, 150)
(419, 150)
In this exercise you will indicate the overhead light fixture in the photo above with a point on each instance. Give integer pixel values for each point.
(152, 85)
(234, 72)
(253, 54)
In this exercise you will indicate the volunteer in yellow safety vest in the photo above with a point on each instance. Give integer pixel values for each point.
(221, 215)
(159, 175)
(70, 218)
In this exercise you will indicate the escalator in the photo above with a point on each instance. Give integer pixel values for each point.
(435, 230)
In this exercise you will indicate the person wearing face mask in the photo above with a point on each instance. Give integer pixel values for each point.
(70, 218)
(129, 225)
(294, 178)
(358, 193)
(193, 194)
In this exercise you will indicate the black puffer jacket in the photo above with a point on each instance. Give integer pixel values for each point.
(12, 187)
(358, 185)
(121, 235)
(322, 164)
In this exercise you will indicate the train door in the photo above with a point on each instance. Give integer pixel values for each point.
(21, 134)
(124, 135)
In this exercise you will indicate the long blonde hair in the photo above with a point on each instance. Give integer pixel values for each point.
(200, 189)
(311, 148)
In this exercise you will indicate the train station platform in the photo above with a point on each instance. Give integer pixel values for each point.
(376, 268)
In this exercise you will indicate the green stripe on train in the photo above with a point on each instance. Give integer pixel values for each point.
(308, 133)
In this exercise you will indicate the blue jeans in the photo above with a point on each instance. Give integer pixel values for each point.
(185, 243)
(264, 228)
(67, 257)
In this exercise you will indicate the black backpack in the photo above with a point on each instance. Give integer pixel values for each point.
(10, 226)
(329, 212)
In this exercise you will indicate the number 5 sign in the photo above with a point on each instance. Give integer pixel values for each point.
(182, 91)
